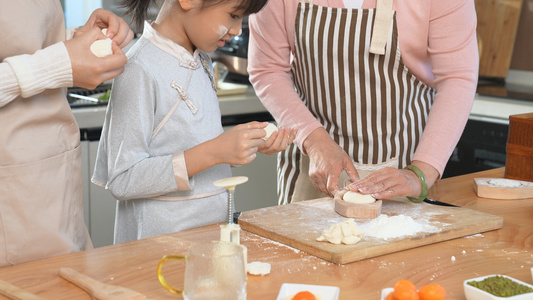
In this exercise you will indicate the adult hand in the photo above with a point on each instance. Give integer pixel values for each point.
(117, 29)
(238, 145)
(278, 141)
(326, 162)
(88, 71)
(391, 182)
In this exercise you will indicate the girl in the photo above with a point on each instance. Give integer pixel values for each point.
(162, 144)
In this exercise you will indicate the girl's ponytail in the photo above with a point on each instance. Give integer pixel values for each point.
(138, 10)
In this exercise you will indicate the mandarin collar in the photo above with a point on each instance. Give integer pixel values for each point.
(186, 60)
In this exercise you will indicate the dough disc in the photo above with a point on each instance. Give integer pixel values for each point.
(102, 48)
(230, 181)
(355, 197)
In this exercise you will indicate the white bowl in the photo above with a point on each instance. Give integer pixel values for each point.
(324, 292)
(385, 292)
(473, 293)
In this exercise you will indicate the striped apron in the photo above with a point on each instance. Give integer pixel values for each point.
(349, 72)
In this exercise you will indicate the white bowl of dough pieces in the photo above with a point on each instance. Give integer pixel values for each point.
(474, 288)
(321, 292)
(385, 292)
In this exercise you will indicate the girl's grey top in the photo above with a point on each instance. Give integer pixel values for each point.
(140, 155)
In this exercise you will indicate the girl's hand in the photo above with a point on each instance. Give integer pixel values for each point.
(278, 141)
(238, 145)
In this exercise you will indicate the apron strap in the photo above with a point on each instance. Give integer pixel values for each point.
(380, 32)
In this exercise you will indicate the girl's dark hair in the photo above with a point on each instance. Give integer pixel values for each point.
(139, 8)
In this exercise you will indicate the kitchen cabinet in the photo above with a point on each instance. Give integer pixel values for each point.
(99, 204)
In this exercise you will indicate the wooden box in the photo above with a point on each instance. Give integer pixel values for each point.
(519, 159)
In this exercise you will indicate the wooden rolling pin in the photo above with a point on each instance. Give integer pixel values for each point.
(97, 289)
(16, 293)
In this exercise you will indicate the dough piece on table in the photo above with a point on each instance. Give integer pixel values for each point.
(345, 232)
(102, 48)
(258, 268)
(269, 130)
(355, 197)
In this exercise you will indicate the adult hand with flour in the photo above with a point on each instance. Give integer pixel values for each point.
(88, 70)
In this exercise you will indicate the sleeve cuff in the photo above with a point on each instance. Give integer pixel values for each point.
(69, 34)
(304, 133)
(9, 87)
(180, 171)
(48, 68)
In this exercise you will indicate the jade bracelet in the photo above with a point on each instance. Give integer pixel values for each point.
(423, 183)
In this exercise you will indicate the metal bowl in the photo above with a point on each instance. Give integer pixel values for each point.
(234, 64)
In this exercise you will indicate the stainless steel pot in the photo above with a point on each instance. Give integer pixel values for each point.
(234, 64)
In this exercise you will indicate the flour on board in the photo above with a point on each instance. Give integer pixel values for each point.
(385, 227)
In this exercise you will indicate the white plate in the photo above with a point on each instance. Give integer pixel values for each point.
(473, 293)
(385, 292)
(324, 292)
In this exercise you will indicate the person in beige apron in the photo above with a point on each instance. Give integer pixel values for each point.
(348, 70)
(41, 188)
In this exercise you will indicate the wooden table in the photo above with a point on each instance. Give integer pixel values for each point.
(133, 265)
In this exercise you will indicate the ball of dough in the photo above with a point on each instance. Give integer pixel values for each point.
(355, 197)
(269, 130)
(102, 48)
(258, 268)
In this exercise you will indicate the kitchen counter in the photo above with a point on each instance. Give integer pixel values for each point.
(497, 99)
(505, 251)
(239, 104)
(497, 109)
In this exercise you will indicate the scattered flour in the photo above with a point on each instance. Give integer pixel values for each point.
(385, 227)
(474, 236)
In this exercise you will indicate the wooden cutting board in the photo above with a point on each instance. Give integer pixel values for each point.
(299, 224)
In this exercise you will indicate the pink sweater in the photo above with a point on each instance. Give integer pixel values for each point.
(438, 44)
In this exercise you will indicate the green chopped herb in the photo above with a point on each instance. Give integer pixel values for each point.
(501, 286)
(105, 97)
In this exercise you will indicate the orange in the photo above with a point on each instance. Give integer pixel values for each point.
(305, 295)
(390, 296)
(432, 292)
(405, 290)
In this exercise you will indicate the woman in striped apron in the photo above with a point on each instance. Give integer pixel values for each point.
(338, 75)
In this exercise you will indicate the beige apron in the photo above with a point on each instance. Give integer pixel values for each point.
(348, 70)
(41, 187)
